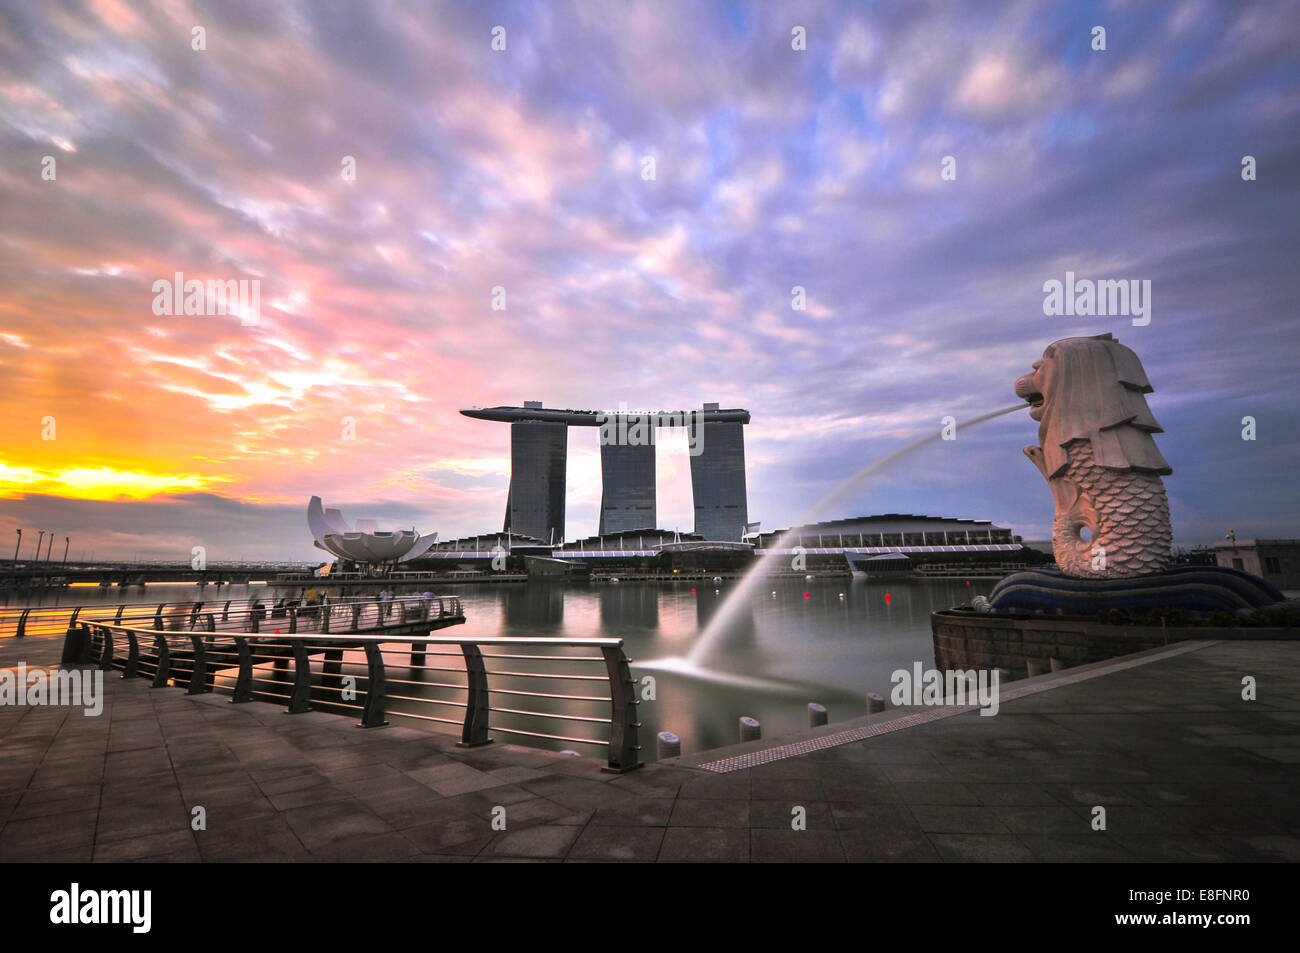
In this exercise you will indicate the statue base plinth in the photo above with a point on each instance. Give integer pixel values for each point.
(1188, 588)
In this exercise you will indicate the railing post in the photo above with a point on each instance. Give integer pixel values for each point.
(84, 657)
(131, 668)
(475, 730)
(225, 611)
(118, 618)
(157, 616)
(72, 644)
(212, 621)
(244, 680)
(300, 699)
(624, 750)
(325, 612)
(293, 619)
(106, 655)
(372, 716)
(22, 623)
(199, 676)
(164, 670)
(356, 615)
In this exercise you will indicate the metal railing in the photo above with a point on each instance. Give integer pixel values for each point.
(255, 616)
(193, 660)
(342, 615)
(56, 620)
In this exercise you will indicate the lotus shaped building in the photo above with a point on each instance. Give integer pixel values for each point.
(364, 543)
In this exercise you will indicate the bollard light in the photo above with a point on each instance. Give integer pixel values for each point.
(669, 745)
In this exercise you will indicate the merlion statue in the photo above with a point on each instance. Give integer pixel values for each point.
(1096, 451)
(1099, 458)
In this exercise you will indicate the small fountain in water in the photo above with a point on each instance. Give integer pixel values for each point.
(693, 664)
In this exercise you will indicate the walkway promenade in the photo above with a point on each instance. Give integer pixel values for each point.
(1184, 768)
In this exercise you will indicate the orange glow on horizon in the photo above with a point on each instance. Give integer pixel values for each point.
(99, 483)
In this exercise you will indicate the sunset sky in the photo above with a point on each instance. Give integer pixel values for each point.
(523, 169)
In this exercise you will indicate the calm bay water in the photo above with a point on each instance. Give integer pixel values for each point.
(841, 641)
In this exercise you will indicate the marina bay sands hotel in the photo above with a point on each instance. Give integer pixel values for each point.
(538, 456)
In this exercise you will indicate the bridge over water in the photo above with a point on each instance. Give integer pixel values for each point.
(36, 574)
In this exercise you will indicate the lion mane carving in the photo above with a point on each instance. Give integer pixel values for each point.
(1099, 458)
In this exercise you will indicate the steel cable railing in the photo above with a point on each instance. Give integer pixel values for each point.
(56, 620)
(195, 660)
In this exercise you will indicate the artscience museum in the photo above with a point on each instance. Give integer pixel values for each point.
(363, 543)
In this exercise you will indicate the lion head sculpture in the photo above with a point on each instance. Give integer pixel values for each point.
(1093, 389)
(1099, 458)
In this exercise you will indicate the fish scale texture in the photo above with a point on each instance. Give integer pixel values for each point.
(1132, 520)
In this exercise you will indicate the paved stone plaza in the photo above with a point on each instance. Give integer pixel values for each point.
(1185, 769)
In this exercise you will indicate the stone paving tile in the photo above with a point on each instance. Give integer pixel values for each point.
(710, 812)
(785, 789)
(454, 778)
(549, 841)
(930, 792)
(324, 825)
(780, 814)
(887, 845)
(1059, 848)
(257, 840)
(995, 848)
(788, 846)
(453, 835)
(735, 785)
(705, 845)
(642, 812)
(617, 843)
(379, 848)
(957, 819)
(858, 815)
(167, 843)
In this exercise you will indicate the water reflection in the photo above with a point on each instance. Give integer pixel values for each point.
(839, 639)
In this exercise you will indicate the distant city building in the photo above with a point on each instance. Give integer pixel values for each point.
(718, 480)
(644, 542)
(538, 455)
(627, 496)
(922, 544)
(1276, 561)
(894, 531)
(539, 451)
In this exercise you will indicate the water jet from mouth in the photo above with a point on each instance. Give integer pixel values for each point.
(692, 664)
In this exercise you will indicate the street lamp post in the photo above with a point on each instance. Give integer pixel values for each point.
(66, 542)
(17, 544)
(49, 547)
(39, 539)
